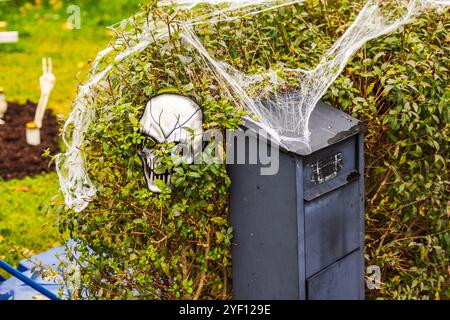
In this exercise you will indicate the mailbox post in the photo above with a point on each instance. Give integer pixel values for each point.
(299, 234)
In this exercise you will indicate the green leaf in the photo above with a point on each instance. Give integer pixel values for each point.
(193, 174)
(148, 91)
(168, 90)
(160, 184)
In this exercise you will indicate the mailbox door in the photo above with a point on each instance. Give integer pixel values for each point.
(332, 205)
(338, 281)
(332, 227)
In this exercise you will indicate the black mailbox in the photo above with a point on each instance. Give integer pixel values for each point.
(299, 234)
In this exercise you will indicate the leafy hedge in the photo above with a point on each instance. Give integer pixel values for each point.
(177, 244)
(400, 84)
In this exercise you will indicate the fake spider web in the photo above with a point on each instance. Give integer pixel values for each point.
(284, 115)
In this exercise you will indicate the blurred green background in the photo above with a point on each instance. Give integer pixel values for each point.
(44, 32)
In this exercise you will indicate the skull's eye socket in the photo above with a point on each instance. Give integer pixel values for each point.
(148, 143)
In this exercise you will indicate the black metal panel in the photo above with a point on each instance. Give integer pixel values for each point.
(263, 212)
(332, 227)
(304, 222)
(301, 231)
(362, 200)
(339, 281)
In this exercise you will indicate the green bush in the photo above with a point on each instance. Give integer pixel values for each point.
(400, 84)
(177, 244)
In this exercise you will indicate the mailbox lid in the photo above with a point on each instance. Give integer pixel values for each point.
(327, 126)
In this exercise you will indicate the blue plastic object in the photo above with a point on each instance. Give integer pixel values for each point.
(29, 281)
(7, 295)
(16, 289)
(49, 259)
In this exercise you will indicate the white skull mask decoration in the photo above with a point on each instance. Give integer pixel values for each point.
(175, 118)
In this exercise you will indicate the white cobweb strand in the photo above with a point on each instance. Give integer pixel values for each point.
(284, 116)
(288, 114)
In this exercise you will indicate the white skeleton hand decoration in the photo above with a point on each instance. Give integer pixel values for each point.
(171, 118)
(47, 82)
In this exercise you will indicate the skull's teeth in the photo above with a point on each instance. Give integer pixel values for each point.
(164, 177)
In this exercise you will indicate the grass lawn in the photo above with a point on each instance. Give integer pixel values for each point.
(25, 229)
(43, 32)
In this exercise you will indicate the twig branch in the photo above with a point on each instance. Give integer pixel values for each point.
(203, 273)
